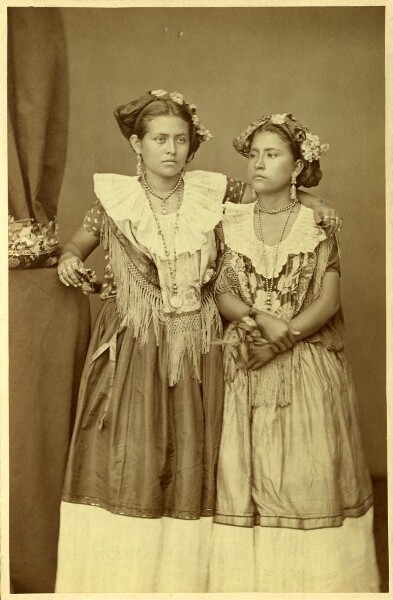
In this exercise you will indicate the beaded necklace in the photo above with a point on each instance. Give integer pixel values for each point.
(278, 210)
(175, 300)
(164, 199)
(269, 280)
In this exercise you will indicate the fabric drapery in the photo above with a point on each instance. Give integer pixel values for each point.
(37, 111)
(49, 324)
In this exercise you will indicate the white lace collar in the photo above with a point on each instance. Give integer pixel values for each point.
(303, 237)
(124, 200)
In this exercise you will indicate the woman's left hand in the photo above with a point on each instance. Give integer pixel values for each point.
(259, 355)
(328, 219)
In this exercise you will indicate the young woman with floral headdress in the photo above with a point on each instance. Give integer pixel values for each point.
(294, 498)
(140, 483)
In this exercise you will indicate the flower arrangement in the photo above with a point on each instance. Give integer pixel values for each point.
(200, 129)
(310, 145)
(32, 244)
(311, 148)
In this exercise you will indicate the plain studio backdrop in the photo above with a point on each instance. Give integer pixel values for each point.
(325, 65)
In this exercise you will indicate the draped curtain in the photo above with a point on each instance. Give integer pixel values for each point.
(37, 110)
(49, 323)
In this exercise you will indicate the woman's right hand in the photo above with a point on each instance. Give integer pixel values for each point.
(276, 331)
(67, 269)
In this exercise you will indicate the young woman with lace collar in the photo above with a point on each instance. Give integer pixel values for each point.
(294, 497)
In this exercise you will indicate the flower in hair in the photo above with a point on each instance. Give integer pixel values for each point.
(177, 97)
(159, 93)
(311, 148)
(200, 129)
(203, 133)
(127, 115)
(278, 119)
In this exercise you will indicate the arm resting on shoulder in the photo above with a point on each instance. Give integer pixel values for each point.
(324, 214)
(311, 201)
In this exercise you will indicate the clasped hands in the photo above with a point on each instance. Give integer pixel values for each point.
(266, 336)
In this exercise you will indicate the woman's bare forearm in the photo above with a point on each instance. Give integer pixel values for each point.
(80, 245)
(231, 307)
(321, 310)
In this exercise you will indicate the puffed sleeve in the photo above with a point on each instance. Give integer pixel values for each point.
(234, 190)
(93, 219)
(334, 258)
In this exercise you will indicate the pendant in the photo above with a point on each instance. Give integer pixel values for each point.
(164, 211)
(175, 301)
(268, 302)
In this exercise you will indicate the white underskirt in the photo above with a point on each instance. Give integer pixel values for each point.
(103, 552)
(277, 559)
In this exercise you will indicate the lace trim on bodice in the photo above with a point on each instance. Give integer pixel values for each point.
(303, 237)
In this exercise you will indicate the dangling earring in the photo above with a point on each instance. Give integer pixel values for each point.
(254, 195)
(139, 162)
(292, 193)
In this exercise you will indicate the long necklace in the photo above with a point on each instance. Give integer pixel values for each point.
(164, 199)
(175, 300)
(269, 280)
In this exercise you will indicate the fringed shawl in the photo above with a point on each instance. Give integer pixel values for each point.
(125, 235)
(300, 286)
(303, 258)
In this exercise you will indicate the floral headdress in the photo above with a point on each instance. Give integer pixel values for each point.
(127, 114)
(311, 148)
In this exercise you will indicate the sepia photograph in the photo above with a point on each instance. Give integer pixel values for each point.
(196, 306)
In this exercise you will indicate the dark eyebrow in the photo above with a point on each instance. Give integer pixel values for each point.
(268, 149)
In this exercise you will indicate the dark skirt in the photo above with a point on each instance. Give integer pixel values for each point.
(140, 447)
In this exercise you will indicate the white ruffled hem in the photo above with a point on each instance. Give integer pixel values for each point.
(303, 237)
(125, 202)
